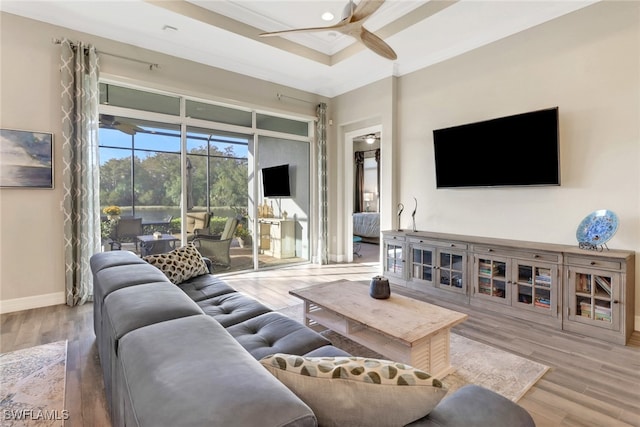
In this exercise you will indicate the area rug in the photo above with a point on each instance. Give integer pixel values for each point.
(476, 363)
(32, 386)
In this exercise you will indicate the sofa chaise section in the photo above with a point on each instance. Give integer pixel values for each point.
(130, 308)
(191, 372)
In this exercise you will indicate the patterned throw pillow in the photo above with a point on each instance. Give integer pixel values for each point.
(358, 391)
(180, 264)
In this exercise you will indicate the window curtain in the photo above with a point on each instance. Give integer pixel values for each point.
(377, 154)
(359, 182)
(80, 167)
(321, 131)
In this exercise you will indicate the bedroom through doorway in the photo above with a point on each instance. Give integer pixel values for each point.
(366, 197)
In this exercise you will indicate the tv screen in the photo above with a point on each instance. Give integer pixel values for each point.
(275, 181)
(518, 150)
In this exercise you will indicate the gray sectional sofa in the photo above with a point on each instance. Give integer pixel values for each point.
(187, 355)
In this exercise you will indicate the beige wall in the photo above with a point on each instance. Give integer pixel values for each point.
(31, 231)
(587, 64)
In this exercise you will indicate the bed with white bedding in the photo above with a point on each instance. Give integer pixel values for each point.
(367, 226)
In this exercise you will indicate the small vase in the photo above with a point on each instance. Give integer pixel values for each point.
(113, 217)
(379, 288)
(240, 241)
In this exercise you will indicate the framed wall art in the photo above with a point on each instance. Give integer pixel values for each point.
(26, 159)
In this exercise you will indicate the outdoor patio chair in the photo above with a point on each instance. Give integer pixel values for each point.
(217, 248)
(197, 224)
(127, 230)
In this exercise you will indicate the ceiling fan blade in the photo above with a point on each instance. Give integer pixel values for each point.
(365, 8)
(125, 129)
(377, 45)
(336, 27)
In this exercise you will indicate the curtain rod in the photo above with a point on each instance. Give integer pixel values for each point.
(280, 96)
(150, 64)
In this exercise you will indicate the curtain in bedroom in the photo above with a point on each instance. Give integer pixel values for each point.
(358, 205)
(80, 167)
(323, 232)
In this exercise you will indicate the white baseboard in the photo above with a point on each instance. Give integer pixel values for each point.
(27, 303)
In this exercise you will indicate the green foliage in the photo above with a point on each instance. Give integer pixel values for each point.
(107, 229)
(157, 179)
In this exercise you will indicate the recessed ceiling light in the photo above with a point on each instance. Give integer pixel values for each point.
(327, 16)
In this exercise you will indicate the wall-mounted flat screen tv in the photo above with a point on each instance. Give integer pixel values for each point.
(518, 150)
(275, 181)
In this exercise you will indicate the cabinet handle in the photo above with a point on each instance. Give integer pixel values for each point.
(452, 245)
(421, 241)
(489, 250)
(593, 263)
(536, 256)
(615, 301)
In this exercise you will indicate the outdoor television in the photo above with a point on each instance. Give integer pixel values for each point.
(518, 150)
(275, 181)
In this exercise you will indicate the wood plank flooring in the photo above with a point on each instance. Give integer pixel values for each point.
(590, 383)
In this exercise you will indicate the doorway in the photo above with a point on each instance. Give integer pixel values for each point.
(362, 203)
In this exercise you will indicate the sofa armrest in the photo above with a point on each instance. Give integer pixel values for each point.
(475, 406)
(209, 264)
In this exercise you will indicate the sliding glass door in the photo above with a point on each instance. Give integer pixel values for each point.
(188, 169)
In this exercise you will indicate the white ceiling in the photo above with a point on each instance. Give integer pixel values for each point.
(224, 33)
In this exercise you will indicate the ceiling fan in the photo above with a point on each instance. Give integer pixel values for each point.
(369, 139)
(351, 24)
(110, 122)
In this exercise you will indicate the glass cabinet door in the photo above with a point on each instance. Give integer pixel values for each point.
(491, 279)
(534, 287)
(451, 268)
(595, 299)
(394, 259)
(422, 264)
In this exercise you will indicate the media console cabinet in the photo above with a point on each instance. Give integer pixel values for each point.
(583, 291)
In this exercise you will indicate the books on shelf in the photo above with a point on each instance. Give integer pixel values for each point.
(487, 268)
(583, 283)
(543, 279)
(542, 302)
(603, 283)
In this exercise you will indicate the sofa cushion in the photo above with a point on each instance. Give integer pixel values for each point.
(180, 264)
(103, 260)
(204, 287)
(114, 277)
(475, 406)
(348, 391)
(276, 333)
(134, 307)
(190, 372)
(232, 308)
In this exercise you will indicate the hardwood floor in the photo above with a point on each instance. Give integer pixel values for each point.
(590, 383)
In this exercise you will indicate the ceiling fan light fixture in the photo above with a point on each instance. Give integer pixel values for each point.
(370, 139)
(327, 16)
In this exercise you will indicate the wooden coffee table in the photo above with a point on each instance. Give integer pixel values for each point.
(400, 328)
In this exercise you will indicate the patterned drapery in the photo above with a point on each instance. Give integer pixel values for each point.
(377, 154)
(80, 167)
(321, 131)
(359, 182)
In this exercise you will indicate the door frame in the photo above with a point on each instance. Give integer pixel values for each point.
(349, 185)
